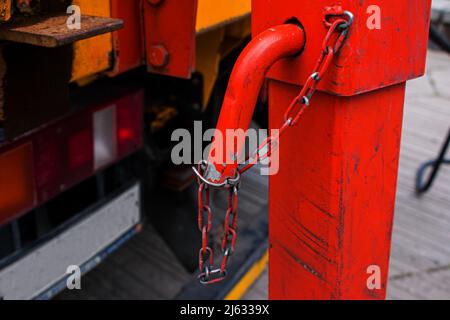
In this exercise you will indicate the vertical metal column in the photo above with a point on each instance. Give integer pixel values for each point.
(332, 201)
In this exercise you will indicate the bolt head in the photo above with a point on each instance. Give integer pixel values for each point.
(158, 56)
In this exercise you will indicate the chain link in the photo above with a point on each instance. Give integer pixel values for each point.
(208, 274)
(332, 44)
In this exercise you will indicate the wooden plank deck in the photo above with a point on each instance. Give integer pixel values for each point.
(420, 257)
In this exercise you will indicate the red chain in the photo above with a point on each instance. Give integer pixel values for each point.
(332, 44)
(209, 275)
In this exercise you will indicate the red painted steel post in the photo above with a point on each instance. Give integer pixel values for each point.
(332, 202)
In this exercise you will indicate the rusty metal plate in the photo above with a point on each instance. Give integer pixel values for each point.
(52, 31)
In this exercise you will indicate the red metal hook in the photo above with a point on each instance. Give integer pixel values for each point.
(245, 84)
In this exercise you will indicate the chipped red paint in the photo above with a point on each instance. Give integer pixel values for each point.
(332, 202)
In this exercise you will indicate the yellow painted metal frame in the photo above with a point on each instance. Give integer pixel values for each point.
(92, 56)
(213, 45)
(208, 59)
(211, 13)
(221, 24)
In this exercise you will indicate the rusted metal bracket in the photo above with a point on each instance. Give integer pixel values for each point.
(52, 30)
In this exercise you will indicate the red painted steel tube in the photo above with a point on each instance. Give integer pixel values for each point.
(245, 84)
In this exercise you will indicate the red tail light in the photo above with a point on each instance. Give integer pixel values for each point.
(129, 124)
(80, 149)
(48, 162)
(16, 181)
(41, 165)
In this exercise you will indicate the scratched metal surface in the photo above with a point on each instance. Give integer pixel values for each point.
(420, 257)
